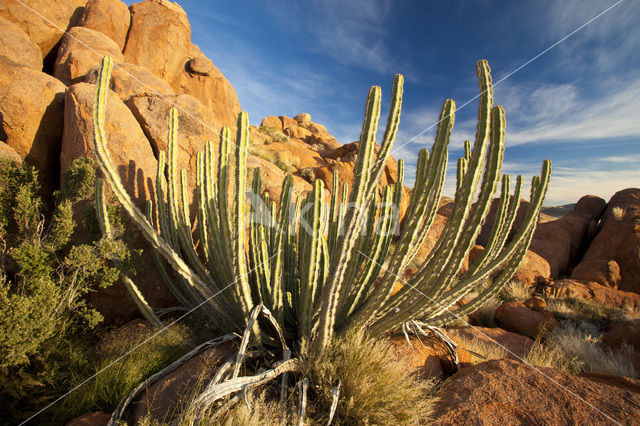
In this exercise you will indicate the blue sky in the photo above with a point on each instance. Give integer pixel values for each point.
(578, 104)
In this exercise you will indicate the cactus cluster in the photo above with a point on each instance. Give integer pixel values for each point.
(325, 269)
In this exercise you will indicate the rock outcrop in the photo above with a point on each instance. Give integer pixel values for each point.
(505, 391)
(31, 116)
(159, 38)
(594, 292)
(44, 21)
(518, 318)
(80, 50)
(559, 241)
(110, 17)
(612, 259)
(18, 47)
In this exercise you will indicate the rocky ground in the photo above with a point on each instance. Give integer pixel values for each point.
(587, 252)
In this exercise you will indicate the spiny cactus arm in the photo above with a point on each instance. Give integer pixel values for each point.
(281, 239)
(106, 165)
(160, 266)
(255, 252)
(353, 219)
(201, 199)
(105, 227)
(167, 232)
(505, 216)
(238, 222)
(185, 233)
(439, 256)
(391, 130)
(429, 182)
(311, 256)
(101, 209)
(376, 250)
(433, 282)
(538, 191)
(509, 258)
(467, 150)
(222, 205)
(333, 220)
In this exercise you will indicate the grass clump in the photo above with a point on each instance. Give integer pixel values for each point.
(577, 349)
(377, 388)
(274, 133)
(118, 372)
(285, 161)
(516, 290)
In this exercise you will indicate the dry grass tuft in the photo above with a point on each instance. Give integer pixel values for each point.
(578, 349)
(377, 388)
(516, 290)
(489, 350)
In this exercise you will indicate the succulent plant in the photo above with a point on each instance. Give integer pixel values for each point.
(325, 269)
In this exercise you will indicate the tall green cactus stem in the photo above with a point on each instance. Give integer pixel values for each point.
(105, 227)
(325, 269)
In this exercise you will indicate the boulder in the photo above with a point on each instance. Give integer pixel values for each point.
(201, 79)
(163, 400)
(516, 345)
(623, 333)
(95, 418)
(31, 117)
(130, 150)
(272, 178)
(532, 269)
(288, 122)
(500, 392)
(624, 336)
(159, 38)
(516, 317)
(8, 153)
(297, 132)
(536, 303)
(272, 121)
(593, 292)
(559, 241)
(81, 49)
(618, 241)
(44, 21)
(485, 232)
(128, 80)
(110, 17)
(303, 117)
(196, 125)
(424, 360)
(135, 163)
(18, 47)
(426, 353)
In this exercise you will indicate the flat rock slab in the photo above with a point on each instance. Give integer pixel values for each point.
(507, 392)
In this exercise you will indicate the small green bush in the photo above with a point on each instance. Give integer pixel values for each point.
(274, 133)
(44, 277)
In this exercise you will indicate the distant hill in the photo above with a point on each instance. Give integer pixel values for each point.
(548, 214)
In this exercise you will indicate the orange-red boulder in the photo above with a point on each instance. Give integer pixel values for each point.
(162, 400)
(110, 17)
(618, 241)
(31, 117)
(558, 241)
(505, 392)
(516, 317)
(96, 418)
(128, 80)
(515, 345)
(594, 292)
(80, 50)
(18, 47)
(44, 21)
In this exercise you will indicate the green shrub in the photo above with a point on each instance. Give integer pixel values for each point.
(44, 277)
(275, 134)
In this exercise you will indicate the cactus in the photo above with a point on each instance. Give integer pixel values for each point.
(326, 269)
(105, 228)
